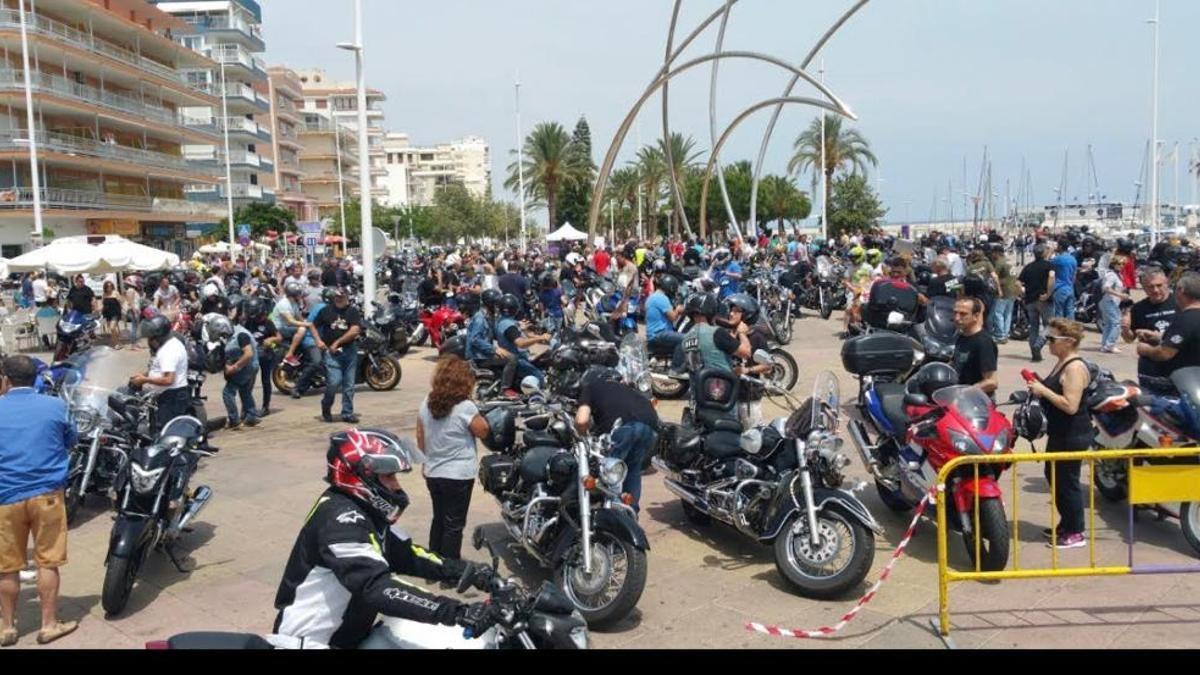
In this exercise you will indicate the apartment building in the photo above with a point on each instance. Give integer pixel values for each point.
(415, 174)
(338, 103)
(288, 124)
(328, 162)
(111, 123)
(230, 33)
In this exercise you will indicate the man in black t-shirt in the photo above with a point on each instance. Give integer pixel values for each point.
(339, 325)
(81, 298)
(1037, 282)
(515, 284)
(975, 354)
(1149, 319)
(1179, 346)
(268, 339)
(602, 403)
(941, 277)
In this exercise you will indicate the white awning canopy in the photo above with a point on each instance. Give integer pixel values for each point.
(566, 233)
(94, 255)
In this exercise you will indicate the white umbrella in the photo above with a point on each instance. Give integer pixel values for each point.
(566, 233)
(220, 248)
(76, 255)
(3, 268)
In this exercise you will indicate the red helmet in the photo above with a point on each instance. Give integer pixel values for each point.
(356, 460)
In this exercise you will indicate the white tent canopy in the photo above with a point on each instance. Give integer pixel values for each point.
(221, 247)
(78, 255)
(3, 268)
(566, 233)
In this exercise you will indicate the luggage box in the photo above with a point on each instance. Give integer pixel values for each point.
(879, 353)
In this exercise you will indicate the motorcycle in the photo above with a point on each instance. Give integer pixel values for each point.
(937, 335)
(438, 326)
(779, 485)
(915, 436)
(1127, 419)
(76, 332)
(105, 441)
(389, 322)
(828, 293)
(376, 366)
(546, 620)
(560, 499)
(154, 504)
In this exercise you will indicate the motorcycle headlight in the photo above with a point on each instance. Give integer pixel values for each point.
(144, 481)
(579, 637)
(613, 472)
(964, 444)
(1001, 443)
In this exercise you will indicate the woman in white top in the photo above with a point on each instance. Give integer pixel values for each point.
(447, 426)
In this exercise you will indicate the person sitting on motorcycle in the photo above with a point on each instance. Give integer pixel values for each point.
(893, 294)
(213, 300)
(312, 346)
(743, 310)
(481, 349)
(344, 569)
(661, 316)
(939, 285)
(707, 345)
(431, 292)
(727, 273)
(512, 339)
(857, 284)
(290, 322)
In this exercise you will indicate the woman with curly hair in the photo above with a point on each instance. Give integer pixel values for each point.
(447, 425)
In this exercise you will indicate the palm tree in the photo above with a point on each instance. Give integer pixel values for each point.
(623, 187)
(843, 146)
(684, 156)
(549, 166)
(652, 167)
(783, 202)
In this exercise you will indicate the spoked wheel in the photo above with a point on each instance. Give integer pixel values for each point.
(786, 372)
(667, 387)
(783, 330)
(283, 383)
(383, 374)
(1112, 479)
(993, 537)
(73, 497)
(827, 569)
(826, 306)
(613, 587)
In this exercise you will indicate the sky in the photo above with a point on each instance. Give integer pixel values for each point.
(932, 81)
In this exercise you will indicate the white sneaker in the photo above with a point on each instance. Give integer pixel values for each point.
(29, 576)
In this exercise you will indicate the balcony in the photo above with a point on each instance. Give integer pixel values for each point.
(74, 145)
(239, 56)
(41, 25)
(14, 80)
(239, 93)
(20, 198)
(243, 126)
(249, 33)
(237, 158)
(240, 191)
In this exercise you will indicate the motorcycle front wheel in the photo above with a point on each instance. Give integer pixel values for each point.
(383, 374)
(118, 584)
(1189, 520)
(826, 306)
(73, 496)
(283, 383)
(827, 570)
(1111, 480)
(786, 371)
(613, 588)
(994, 537)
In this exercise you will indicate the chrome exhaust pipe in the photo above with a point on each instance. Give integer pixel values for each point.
(686, 495)
(859, 436)
(199, 500)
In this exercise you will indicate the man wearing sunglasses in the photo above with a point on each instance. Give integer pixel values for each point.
(975, 353)
(1147, 321)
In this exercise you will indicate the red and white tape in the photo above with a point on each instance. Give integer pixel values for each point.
(827, 631)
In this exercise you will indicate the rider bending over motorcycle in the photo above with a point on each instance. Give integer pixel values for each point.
(343, 569)
(512, 339)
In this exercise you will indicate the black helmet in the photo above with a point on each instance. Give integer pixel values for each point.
(932, 378)
(747, 304)
(491, 298)
(509, 305)
(669, 285)
(703, 304)
(599, 374)
(547, 280)
(254, 308)
(502, 429)
(158, 327)
(1030, 421)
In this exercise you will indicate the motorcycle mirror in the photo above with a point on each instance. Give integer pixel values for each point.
(916, 400)
(763, 358)
(530, 386)
(1019, 397)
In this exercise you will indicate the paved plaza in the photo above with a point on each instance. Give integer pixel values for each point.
(703, 585)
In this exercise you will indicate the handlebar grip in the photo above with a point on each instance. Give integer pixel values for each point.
(1030, 376)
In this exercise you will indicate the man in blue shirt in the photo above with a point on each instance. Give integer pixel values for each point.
(661, 316)
(35, 435)
(727, 273)
(1065, 265)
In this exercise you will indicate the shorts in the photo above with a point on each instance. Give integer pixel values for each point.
(45, 517)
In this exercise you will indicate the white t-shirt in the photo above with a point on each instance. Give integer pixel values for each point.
(169, 296)
(40, 289)
(171, 358)
(449, 443)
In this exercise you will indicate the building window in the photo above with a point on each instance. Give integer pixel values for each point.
(322, 104)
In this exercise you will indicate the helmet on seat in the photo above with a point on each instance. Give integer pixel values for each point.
(932, 378)
(357, 458)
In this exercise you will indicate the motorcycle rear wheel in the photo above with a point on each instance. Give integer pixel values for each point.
(383, 375)
(118, 584)
(665, 390)
(796, 561)
(994, 537)
(283, 384)
(1189, 521)
(786, 371)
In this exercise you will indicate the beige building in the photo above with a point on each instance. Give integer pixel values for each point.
(288, 121)
(415, 174)
(338, 103)
(110, 105)
(328, 162)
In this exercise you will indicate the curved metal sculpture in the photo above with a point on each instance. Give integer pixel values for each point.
(669, 71)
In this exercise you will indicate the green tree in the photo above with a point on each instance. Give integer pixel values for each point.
(844, 147)
(548, 166)
(780, 201)
(262, 217)
(854, 208)
(684, 157)
(414, 219)
(575, 204)
(652, 169)
(381, 217)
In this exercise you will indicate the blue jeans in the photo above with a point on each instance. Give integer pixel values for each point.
(630, 444)
(240, 384)
(526, 369)
(340, 370)
(1064, 302)
(1002, 314)
(671, 343)
(1110, 321)
(312, 361)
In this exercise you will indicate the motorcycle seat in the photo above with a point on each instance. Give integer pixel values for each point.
(688, 439)
(660, 349)
(723, 444)
(536, 463)
(719, 421)
(891, 396)
(543, 438)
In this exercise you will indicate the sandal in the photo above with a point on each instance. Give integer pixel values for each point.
(9, 637)
(60, 629)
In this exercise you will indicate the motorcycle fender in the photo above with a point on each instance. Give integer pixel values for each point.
(825, 499)
(964, 492)
(129, 534)
(602, 519)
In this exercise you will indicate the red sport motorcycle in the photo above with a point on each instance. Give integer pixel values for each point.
(438, 326)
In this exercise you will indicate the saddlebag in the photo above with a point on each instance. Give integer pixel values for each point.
(495, 473)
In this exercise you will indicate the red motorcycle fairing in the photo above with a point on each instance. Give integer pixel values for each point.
(436, 322)
(965, 490)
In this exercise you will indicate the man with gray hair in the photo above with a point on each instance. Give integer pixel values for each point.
(939, 284)
(1179, 346)
(1149, 319)
(1037, 283)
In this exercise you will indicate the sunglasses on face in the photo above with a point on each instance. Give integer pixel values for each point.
(1056, 338)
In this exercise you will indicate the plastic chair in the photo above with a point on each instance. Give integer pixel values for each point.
(47, 327)
(22, 333)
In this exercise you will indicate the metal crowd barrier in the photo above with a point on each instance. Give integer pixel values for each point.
(1149, 484)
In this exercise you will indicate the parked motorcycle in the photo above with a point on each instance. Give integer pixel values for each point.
(76, 333)
(388, 321)
(154, 504)
(560, 499)
(105, 441)
(376, 366)
(438, 326)
(828, 292)
(779, 485)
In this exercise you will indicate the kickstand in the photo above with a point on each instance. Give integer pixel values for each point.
(175, 560)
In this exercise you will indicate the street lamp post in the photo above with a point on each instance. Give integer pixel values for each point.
(1154, 136)
(38, 229)
(824, 175)
(364, 165)
(521, 163)
(228, 159)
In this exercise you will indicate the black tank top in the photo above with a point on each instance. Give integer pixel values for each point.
(1075, 431)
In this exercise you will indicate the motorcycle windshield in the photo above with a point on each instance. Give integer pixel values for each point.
(940, 322)
(87, 406)
(634, 363)
(970, 403)
(824, 266)
(827, 398)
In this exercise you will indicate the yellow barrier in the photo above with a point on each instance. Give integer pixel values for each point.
(1148, 484)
